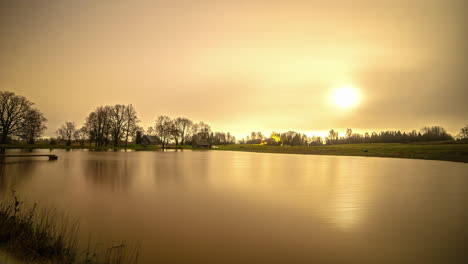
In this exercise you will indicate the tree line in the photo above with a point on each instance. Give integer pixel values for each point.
(184, 131)
(115, 125)
(118, 125)
(427, 133)
(292, 138)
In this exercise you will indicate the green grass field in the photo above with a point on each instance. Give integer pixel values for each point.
(449, 152)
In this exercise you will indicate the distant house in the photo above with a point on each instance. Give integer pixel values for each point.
(269, 141)
(150, 140)
(200, 143)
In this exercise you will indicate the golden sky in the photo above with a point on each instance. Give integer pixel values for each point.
(242, 66)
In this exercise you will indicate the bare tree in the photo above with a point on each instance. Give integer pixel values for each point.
(98, 125)
(66, 132)
(332, 136)
(33, 126)
(434, 133)
(463, 135)
(230, 138)
(204, 130)
(13, 112)
(253, 136)
(183, 126)
(131, 120)
(80, 135)
(221, 138)
(117, 123)
(194, 129)
(175, 132)
(164, 129)
(200, 132)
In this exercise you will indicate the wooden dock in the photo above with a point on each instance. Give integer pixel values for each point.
(51, 157)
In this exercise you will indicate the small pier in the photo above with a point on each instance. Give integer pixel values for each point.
(51, 157)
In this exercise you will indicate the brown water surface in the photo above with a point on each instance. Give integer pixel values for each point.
(237, 207)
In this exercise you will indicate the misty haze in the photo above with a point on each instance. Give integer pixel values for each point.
(155, 131)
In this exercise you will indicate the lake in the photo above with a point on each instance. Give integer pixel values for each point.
(238, 207)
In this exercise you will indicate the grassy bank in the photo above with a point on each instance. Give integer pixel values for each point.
(434, 151)
(32, 235)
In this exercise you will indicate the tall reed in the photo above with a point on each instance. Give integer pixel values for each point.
(41, 235)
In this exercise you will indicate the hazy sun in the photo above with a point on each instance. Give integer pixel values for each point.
(346, 96)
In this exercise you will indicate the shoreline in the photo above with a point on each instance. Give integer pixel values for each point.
(456, 152)
(442, 152)
(87, 147)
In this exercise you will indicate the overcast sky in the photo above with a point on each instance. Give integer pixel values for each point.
(242, 66)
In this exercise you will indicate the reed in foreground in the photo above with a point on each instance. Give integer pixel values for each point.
(35, 235)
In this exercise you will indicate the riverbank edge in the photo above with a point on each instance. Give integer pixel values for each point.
(426, 151)
(441, 152)
(129, 147)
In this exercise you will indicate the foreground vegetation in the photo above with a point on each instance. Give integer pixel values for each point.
(50, 236)
(430, 151)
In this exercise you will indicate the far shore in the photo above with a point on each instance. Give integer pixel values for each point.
(446, 151)
(429, 151)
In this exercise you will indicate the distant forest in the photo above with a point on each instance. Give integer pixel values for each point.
(292, 138)
(118, 125)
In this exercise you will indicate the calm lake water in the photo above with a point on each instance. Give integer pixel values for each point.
(237, 207)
